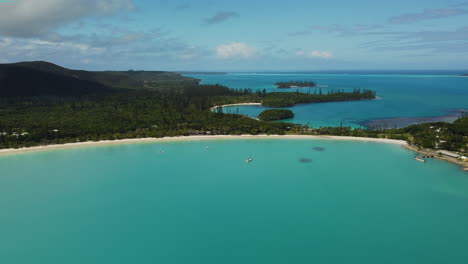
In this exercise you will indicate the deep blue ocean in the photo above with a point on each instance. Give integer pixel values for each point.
(407, 97)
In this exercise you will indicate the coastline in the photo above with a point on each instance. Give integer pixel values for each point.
(239, 104)
(260, 104)
(402, 143)
(428, 152)
(190, 138)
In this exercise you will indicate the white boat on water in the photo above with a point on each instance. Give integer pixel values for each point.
(249, 160)
(420, 159)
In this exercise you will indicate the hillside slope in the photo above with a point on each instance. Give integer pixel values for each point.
(40, 78)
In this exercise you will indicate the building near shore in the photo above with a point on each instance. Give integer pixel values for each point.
(449, 154)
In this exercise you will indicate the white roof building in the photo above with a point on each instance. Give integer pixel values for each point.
(449, 154)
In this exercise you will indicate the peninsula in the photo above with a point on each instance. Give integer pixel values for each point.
(295, 84)
(287, 99)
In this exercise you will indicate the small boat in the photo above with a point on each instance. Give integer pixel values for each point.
(420, 159)
(249, 160)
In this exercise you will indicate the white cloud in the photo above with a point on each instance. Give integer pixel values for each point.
(30, 18)
(90, 53)
(235, 50)
(315, 54)
(36, 49)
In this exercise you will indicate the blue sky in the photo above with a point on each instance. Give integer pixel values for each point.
(241, 35)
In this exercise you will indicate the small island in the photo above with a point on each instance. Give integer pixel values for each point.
(276, 114)
(295, 84)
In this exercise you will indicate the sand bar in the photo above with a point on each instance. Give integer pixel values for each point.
(190, 138)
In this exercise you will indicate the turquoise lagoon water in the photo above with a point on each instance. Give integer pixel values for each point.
(404, 95)
(354, 202)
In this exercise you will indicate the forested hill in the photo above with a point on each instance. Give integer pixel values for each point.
(26, 80)
(40, 78)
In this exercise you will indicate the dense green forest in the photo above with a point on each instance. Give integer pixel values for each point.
(28, 122)
(276, 114)
(441, 135)
(41, 78)
(294, 84)
(50, 110)
(290, 99)
(282, 99)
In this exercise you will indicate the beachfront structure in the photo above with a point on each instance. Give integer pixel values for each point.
(449, 154)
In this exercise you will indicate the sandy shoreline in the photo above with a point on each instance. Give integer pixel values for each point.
(404, 144)
(240, 104)
(189, 138)
(260, 104)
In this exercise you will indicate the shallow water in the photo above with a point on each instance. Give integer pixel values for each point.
(403, 95)
(351, 202)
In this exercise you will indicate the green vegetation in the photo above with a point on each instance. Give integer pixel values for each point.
(21, 80)
(290, 99)
(36, 121)
(295, 84)
(59, 108)
(40, 78)
(42, 103)
(276, 114)
(441, 135)
(59, 105)
(281, 99)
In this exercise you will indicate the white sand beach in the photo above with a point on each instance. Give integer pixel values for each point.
(188, 138)
(240, 104)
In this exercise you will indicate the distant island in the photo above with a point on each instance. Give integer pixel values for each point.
(295, 84)
(276, 114)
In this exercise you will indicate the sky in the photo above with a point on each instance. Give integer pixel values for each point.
(253, 35)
